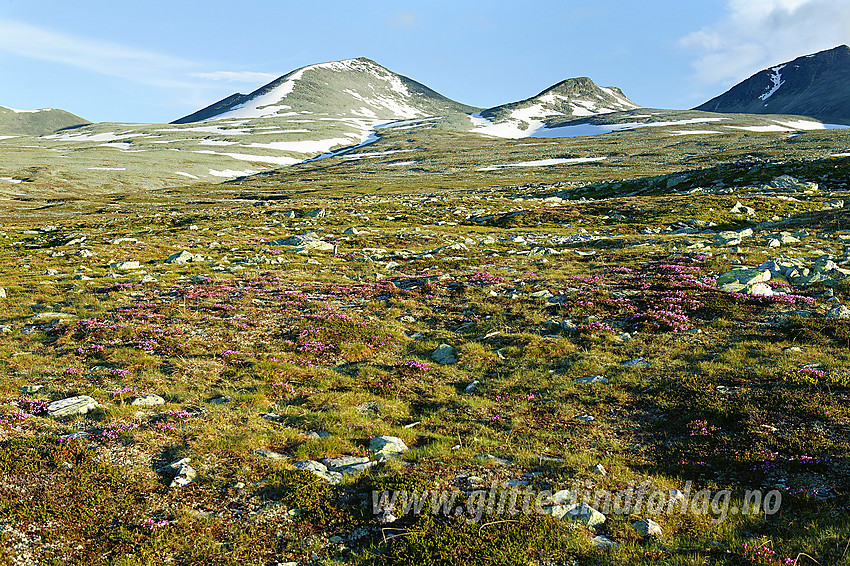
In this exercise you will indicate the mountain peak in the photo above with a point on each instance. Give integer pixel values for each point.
(351, 87)
(574, 97)
(816, 85)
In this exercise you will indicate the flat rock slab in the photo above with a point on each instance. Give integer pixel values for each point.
(72, 406)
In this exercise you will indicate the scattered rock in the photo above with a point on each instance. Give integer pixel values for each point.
(747, 281)
(2, 293)
(839, 312)
(490, 459)
(601, 541)
(444, 355)
(369, 408)
(221, 400)
(319, 470)
(79, 405)
(592, 379)
(600, 470)
(181, 257)
(270, 454)
(636, 363)
(30, 389)
(741, 209)
(125, 265)
(387, 446)
(184, 473)
(148, 401)
(647, 528)
(576, 512)
(585, 418)
(50, 316)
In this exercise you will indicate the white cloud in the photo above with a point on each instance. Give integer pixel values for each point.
(236, 76)
(755, 34)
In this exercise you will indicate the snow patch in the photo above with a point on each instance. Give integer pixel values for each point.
(277, 160)
(107, 168)
(776, 82)
(104, 137)
(543, 162)
(232, 173)
(304, 146)
(186, 175)
(10, 179)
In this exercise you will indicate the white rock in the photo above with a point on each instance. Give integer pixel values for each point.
(125, 265)
(647, 527)
(148, 401)
(79, 405)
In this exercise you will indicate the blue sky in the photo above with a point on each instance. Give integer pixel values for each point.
(154, 61)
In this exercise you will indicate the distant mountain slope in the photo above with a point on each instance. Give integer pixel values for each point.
(36, 122)
(571, 98)
(354, 87)
(816, 85)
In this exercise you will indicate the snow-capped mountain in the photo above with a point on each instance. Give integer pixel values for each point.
(816, 85)
(36, 122)
(569, 99)
(353, 87)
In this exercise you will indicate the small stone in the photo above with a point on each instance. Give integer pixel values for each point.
(310, 466)
(2, 293)
(636, 363)
(50, 316)
(490, 459)
(472, 386)
(600, 469)
(444, 355)
(185, 474)
(336, 464)
(270, 454)
(79, 405)
(125, 265)
(181, 257)
(30, 389)
(368, 408)
(839, 312)
(387, 446)
(585, 418)
(647, 527)
(601, 541)
(591, 379)
(221, 400)
(793, 350)
(148, 401)
(577, 512)
(741, 209)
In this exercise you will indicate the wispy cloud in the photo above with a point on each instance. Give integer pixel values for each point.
(404, 19)
(236, 76)
(102, 57)
(113, 59)
(754, 34)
